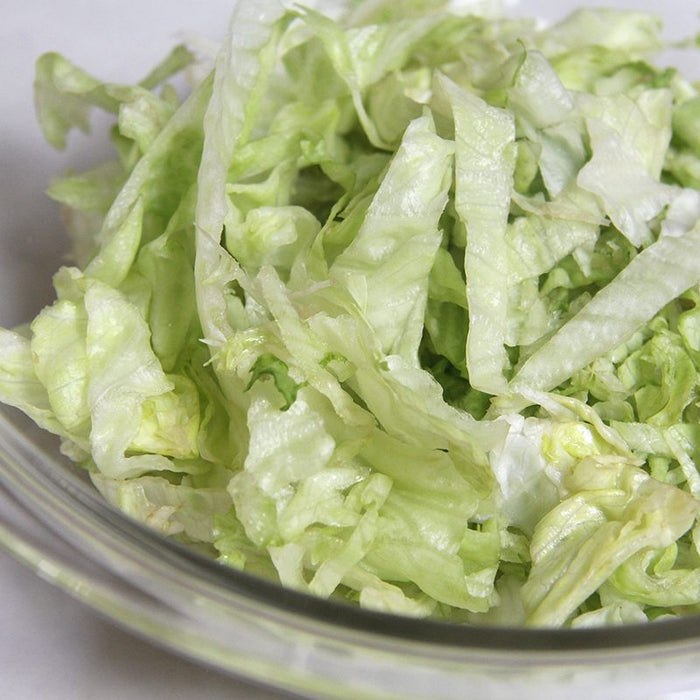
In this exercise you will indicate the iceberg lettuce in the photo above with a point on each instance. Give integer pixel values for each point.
(399, 306)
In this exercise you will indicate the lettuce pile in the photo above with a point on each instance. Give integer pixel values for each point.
(400, 305)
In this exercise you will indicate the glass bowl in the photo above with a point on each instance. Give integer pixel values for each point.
(52, 519)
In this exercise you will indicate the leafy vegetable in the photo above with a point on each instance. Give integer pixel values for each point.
(400, 307)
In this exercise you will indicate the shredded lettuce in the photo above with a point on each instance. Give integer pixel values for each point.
(400, 305)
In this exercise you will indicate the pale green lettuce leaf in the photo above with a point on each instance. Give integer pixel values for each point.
(239, 78)
(19, 384)
(614, 512)
(165, 264)
(485, 162)
(664, 270)
(123, 374)
(185, 510)
(386, 266)
(629, 140)
(59, 356)
(635, 33)
(653, 578)
(613, 614)
(64, 93)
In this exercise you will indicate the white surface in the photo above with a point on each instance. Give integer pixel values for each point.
(51, 646)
